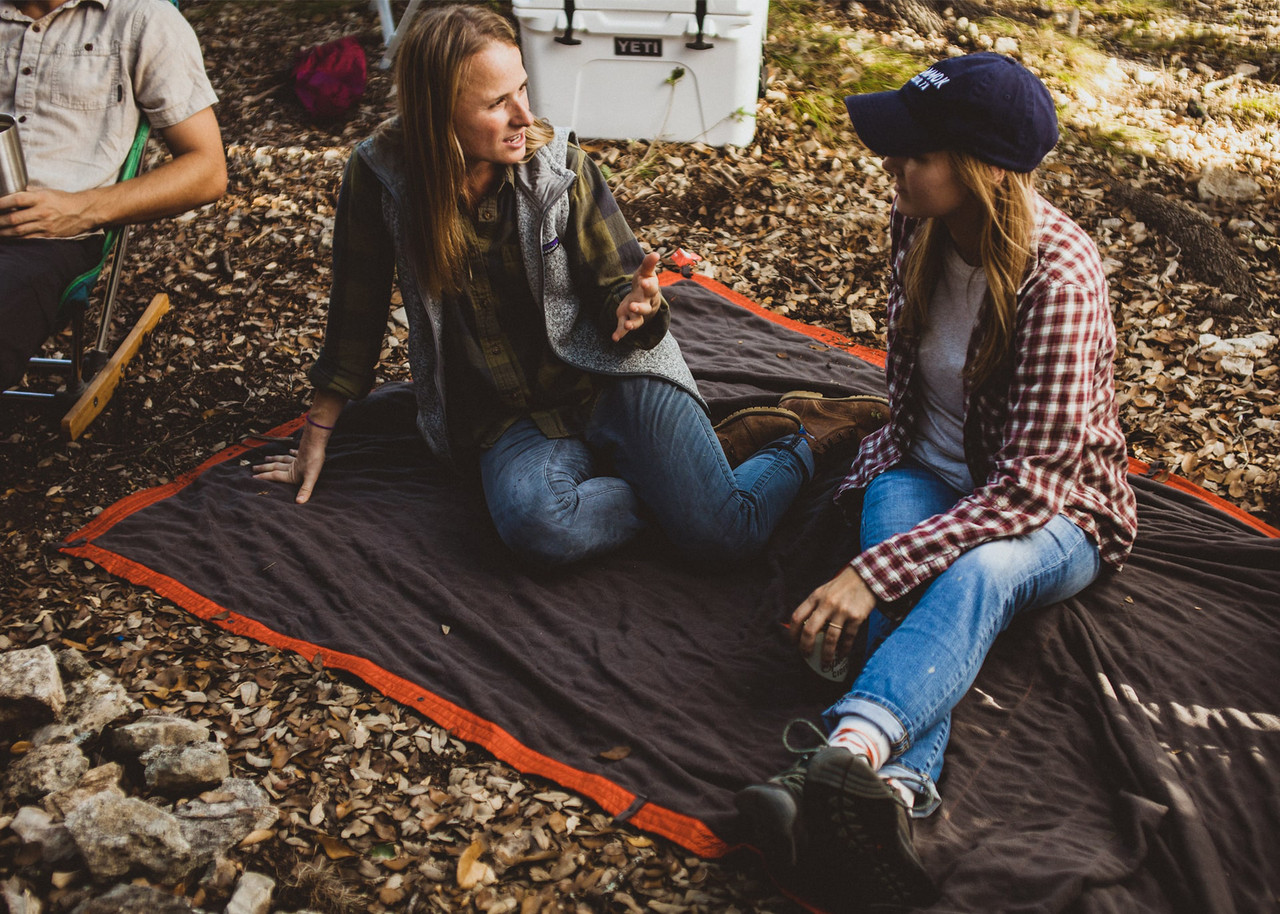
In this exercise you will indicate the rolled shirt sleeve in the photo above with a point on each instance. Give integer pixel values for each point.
(360, 296)
(606, 254)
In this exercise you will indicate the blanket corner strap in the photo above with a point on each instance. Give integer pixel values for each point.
(699, 43)
(567, 37)
(639, 803)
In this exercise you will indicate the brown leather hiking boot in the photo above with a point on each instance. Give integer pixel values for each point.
(745, 432)
(836, 423)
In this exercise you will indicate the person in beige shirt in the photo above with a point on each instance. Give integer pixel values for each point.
(76, 76)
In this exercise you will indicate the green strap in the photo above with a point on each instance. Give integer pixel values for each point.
(79, 288)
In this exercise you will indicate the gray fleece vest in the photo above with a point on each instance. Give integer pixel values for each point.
(542, 211)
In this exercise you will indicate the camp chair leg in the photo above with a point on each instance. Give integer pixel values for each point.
(75, 385)
(103, 384)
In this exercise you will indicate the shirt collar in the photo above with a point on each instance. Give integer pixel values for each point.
(9, 9)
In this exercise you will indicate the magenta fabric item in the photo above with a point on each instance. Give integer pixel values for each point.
(329, 79)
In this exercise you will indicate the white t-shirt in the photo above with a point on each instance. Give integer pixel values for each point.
(944, 346)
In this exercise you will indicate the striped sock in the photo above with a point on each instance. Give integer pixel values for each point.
(861, 737)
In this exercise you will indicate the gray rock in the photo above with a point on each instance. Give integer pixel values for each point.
(252, 895)
(119, 835)
(135, 899)
(94, 701)
(45, 769)
(36, 828)
(1221, 182)
(31, 690)
(218, 820)
(73, 664)
(104, 778)
(185, 770)
(219, 878)
(157, 730)
(18, 897)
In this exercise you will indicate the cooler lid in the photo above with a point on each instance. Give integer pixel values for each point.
(713, 7)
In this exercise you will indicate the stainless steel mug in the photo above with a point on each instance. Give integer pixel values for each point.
(13, 167)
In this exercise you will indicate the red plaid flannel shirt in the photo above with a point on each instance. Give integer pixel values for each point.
(1042, 437)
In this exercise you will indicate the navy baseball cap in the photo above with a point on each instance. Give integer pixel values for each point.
(985, 104)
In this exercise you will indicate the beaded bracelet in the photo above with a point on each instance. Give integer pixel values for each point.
(310, 421)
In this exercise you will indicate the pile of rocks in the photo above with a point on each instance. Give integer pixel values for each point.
(108, 808)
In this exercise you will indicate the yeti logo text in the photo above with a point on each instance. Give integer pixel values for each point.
(637, 47)
(930, 79)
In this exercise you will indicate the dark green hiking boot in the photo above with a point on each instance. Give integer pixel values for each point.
(860, 835)
(774, 810)
(773, 813)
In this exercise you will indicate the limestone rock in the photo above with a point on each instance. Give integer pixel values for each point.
(1220, 182)
(135, 899)
(94, 700)
(157, 730)
(18, 897)
(104, 778)
(119, 835)
(218, 820)
(36, 828)
(31, 690)
(185, 770)
(252, 895)
(44, 769)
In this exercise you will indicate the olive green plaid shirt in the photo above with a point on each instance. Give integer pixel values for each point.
(498, 364)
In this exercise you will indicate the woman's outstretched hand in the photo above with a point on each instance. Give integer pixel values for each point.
(643, 301)
(838, 607)
(301, 466)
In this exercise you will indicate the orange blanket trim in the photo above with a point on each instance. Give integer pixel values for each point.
(684, 830)
(822, 334)
(1141, 468)
(688, 832)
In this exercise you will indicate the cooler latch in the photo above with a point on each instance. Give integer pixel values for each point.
(700, 11)
(567, 37)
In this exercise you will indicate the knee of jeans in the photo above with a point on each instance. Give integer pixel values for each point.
(986, 560)
(544, 545)
(542, 534)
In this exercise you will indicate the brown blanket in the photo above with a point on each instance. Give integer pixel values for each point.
(1118, 752)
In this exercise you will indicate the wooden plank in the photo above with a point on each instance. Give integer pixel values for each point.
(100, 388)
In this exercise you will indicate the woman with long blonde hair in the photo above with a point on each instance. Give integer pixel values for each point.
(538, 335)
(998, 485)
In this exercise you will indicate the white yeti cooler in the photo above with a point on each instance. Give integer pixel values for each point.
(677, 70)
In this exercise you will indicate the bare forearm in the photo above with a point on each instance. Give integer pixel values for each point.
(195, 175)
(176, 186)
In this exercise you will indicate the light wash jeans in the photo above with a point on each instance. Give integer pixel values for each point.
(916, 672)
(552, 505)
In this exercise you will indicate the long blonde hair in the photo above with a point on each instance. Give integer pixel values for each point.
(430, 68)
(1005, 239)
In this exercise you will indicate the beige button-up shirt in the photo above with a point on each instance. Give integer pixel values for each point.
(78, 80)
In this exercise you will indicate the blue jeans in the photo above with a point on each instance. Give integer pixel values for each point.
(553, 503)
(916, 672)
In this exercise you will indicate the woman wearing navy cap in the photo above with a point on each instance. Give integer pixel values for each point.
(998, 486)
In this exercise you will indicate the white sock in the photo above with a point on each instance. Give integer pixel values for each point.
(906, 793)
(861, 737)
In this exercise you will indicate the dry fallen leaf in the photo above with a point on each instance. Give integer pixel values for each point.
(472, 871)
(334, 848)
(257, 836)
